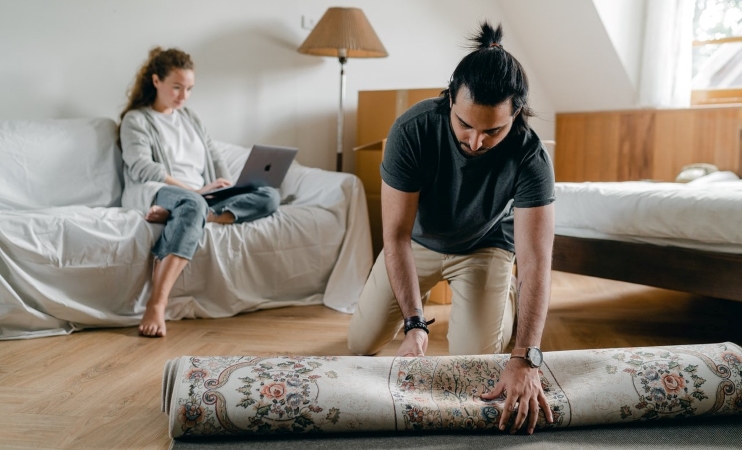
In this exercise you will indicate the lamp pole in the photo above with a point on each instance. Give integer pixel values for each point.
(341, 116)
(343, 33)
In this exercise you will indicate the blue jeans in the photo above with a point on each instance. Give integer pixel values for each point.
(188, 212)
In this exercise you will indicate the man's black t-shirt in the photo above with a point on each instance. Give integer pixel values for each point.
(465, 203)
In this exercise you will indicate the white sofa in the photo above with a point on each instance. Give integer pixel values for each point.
(72, 258)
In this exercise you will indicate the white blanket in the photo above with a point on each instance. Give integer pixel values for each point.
(703, 212)
(72, 267)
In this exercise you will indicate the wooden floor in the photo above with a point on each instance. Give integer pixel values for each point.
(101, 388)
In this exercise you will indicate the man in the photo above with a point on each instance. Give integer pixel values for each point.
(466, 184)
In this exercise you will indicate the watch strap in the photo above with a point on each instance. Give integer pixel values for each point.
(412, 322)
(525, 353)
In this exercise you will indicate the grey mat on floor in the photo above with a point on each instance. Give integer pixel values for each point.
(716, 433)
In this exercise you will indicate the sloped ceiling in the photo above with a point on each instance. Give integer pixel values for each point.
(569, 47)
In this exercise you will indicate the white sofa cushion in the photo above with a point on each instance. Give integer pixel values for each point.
(54, 163)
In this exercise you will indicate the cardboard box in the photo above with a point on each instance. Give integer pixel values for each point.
(377, 111)
(368, 161)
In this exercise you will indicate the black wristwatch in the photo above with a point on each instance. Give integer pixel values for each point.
(417, 322)
(532, 355)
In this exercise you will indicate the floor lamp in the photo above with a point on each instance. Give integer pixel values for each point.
(343, 33)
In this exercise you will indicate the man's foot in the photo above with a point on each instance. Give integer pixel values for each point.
(153, 322)
(157, 214)
(224, 218)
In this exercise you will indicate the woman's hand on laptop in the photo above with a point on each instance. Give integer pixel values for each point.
(218, 184)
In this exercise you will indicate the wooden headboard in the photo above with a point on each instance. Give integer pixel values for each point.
(646, 144)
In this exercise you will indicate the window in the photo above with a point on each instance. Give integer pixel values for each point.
(717, 52)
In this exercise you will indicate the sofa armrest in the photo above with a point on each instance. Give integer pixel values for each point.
(311, 186)
(302, 185)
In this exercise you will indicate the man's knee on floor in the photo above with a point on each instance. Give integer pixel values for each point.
(361, 345)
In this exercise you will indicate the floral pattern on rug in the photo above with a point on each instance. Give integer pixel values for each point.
(244, 395)
(280, 395)
(667, 385)
(444, 394)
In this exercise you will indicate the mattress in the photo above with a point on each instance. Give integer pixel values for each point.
(704, 214)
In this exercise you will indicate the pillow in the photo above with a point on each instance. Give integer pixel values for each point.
(715, 177)
(50, 163)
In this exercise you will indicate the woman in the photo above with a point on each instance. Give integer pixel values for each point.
(169, 162)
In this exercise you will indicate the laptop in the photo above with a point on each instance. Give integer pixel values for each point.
(266, 165)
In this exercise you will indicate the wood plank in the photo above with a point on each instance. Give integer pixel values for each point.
(728, 139)
(599, 143)
(673, 144)
(704, 273)
(608, 155)
(15, 396)
(570, 131)
(636, 135)
(34, 430)
(705, 132)
(646, 144)
(43, 363)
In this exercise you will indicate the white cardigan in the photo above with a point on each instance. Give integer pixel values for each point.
(145, 163)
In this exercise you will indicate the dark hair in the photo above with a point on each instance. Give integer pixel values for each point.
(492, 76)
(159, 62)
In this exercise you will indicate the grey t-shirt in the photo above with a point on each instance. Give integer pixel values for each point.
(465, 203)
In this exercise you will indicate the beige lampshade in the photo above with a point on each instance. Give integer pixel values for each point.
(343, 32)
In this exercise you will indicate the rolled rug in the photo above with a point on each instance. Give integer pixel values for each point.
(250, 395)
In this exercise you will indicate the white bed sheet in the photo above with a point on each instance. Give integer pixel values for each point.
(701, 215)
(664, 242)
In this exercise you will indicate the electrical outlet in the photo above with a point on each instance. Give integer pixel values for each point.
(308, 22)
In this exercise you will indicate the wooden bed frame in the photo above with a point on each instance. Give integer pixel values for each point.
(648, 144)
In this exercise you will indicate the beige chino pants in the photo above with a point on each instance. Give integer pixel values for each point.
(483, 304)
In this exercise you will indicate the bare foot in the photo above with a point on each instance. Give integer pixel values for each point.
(157, 214)
(153, 322)
(225, 218)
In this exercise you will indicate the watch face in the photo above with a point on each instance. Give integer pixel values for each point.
(535, 356)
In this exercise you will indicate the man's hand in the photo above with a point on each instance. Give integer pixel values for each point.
(522, 387)
(218, 184)
(415, 343)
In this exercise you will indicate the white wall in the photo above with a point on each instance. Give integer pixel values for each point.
(572, 53)
(76, 58)
(624, 21)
